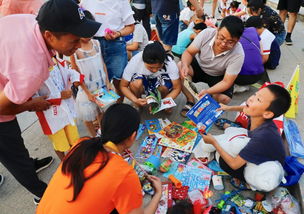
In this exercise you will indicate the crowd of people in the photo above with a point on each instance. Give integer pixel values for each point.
(55, 54)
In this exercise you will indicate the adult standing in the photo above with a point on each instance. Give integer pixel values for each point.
(166, 15)
(23, 69)
(214, 57)
(117, 21)
(143, 11)
(214, 6)
(291, 8)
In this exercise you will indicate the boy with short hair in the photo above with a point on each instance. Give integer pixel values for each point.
(266, 143)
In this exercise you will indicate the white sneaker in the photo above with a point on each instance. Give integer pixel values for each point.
(240, 89)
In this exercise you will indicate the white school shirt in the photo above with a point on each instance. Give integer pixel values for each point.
(112, 14)
(186, 14)
(137, 66)
(58, 116)
(140, 35)
(266, 39)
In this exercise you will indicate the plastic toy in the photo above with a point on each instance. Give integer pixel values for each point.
(177, 183)
(225, 198)
(147, 187)
(217, 182)
(154, 160)
(165, 165)
(108, 31)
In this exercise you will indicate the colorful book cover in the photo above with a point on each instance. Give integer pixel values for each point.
(147, 147)
(178, 137)
(158, 104)
(204, 113)
(166, 199)
(176, 155)
(193, 177)
(153, 126)
(105, 97)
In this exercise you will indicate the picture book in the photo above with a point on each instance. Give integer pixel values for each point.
(178, 137)
(193, 177)
(146, 149)
(103, 97)
(158, 104)
(166, 199)
(153, 126)
(176, 155)
(204, 113)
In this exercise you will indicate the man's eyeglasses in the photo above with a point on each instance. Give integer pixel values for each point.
(228, 43)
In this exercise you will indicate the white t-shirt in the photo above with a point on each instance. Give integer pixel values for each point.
(266, 39)
(137, 66)
(186, 14)
(140, 35)
(113, 14)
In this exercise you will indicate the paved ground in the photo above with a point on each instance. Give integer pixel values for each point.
(14, 199)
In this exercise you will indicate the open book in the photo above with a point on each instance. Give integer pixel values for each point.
(158, 104)
(105, 97)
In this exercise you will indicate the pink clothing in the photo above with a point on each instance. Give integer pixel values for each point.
(25, 59)
(8, 7)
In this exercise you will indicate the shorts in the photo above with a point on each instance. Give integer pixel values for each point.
(292, 6)
(200, 76)
(65, 138)
(167, 27)
(151, 84)
(115, 56)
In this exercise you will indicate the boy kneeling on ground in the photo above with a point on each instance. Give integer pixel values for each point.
(265, 142)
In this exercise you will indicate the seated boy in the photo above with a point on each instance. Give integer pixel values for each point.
(265, 142)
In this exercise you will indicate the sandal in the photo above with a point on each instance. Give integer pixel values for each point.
(186, 108)
(241, 186)
(220, 123)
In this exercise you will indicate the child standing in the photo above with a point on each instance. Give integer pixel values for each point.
(89, 62)
(58, 121)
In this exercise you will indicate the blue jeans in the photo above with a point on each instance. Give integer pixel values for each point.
(115, 56)
(167, 27)
(280, 37)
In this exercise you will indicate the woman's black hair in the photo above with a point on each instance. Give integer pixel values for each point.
(189, 4)
(255, 5)
(181, 207)
(200, 26)
(235, 4)
(120, 121)
(254, 21)
(155, 53)
(88, 15)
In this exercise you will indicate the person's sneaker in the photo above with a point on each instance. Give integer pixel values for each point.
(288, 41)
(1, 179)
(36, 201)
(240, 89)
(43, 163)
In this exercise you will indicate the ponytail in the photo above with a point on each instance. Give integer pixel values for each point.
(120, 122)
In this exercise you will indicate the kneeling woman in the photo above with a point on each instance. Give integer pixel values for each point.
(148, 71)
(94, 178)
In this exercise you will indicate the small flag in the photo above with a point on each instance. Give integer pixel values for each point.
(293, 89)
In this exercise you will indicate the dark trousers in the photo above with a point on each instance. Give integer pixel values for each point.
(15, 157)
(142, 15)
(239, 173)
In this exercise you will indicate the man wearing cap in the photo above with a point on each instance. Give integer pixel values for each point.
(27, 46)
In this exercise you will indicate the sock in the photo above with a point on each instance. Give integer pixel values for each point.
(288, 35)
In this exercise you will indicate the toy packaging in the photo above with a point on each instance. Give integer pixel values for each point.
(193, 177)
(204, 113)
(146, 149)
(153, 126)
(176, 155)
(166, 199)
(178, 137)
(105, 97)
